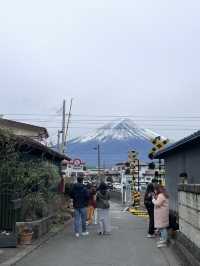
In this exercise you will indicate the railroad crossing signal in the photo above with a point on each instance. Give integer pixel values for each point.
(159, 143)
(132, 155)
(136, 198)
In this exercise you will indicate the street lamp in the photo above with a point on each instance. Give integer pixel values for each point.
(98, 159)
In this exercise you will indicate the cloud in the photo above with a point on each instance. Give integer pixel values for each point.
(113, 57)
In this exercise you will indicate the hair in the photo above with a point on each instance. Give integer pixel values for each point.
(80, 179)
(156, 174)
(88, 186)
(184, 174)
(160, 189)
(150, 188)
(103, 187)
(154, 181)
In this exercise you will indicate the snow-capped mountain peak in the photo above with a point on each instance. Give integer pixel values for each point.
(116, 139)
(121, 129)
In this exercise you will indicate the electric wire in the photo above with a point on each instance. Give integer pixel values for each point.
(175, 123)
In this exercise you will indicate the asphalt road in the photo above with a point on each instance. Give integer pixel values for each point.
(127, 246)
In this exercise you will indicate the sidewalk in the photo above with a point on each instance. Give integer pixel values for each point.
(126, 247)
(10, 256)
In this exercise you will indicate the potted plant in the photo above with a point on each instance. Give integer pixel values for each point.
(26, 235)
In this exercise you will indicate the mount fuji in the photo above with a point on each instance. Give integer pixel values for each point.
(115, 140)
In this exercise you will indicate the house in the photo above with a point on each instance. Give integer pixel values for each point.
(29, 165)
(33, 148)
(181, 157)
(23, 129)
(182, 164)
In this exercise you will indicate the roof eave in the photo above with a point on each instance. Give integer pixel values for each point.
(178, 145)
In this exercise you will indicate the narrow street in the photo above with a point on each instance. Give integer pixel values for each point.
(127, 246)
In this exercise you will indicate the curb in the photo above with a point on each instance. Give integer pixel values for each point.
(29, 249)
(186, 256)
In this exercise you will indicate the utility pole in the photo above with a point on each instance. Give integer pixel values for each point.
(160, 170)
(138, 174)
(68, 121)
(104, 165)
(58, 141)
(99, 159)
(63, 126)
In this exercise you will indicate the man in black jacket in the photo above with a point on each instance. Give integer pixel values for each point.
(80, 196)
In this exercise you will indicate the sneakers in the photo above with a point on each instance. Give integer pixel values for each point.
(77, 235)
(150, 236)
(104, 233)
(107, 234)
(85, 233)
(161, 244)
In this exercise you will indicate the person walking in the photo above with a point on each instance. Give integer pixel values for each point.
(91, 204)
(103, 206)
(148, 197)
(80, 197)
(161, 214)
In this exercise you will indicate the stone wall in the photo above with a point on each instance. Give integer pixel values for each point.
(189, 217)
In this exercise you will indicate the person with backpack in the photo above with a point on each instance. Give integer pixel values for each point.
(103, 207)
(80, 197)
(148, 197)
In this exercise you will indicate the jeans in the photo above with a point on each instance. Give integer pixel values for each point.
(163, 234)
(104, 220)
(80, 215)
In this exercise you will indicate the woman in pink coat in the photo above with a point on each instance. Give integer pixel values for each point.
(161, 213)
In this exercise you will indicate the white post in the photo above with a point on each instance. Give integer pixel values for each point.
(122, 188)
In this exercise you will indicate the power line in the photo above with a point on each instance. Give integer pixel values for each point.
(89, 121)
(78, 127)
(97, 116)
(86, 121)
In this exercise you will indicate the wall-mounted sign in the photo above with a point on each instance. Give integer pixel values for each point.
(77, 162)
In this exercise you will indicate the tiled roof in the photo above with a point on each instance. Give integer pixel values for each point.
(12, 123)
(35, 146)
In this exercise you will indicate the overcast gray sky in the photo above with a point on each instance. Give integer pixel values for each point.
(137, 57)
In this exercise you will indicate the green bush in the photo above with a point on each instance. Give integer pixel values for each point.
(35, 180)
(34, 206)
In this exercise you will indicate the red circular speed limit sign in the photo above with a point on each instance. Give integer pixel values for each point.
(77, 162)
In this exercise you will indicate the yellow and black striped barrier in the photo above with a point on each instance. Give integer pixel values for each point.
(139, 213)
(136, 198)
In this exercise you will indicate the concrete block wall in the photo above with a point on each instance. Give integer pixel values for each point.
(189, 212)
